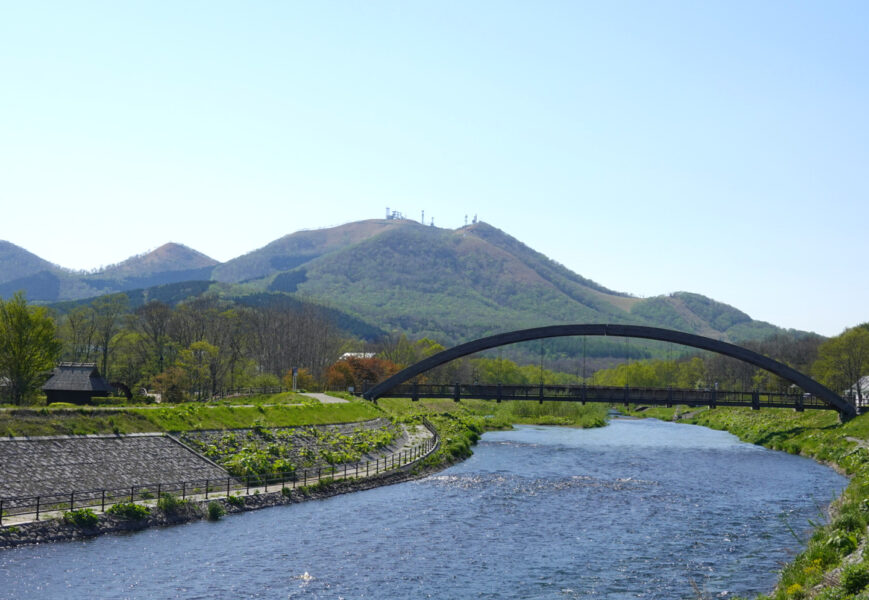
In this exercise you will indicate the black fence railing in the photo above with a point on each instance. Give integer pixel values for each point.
(60, 501)
(612, 395)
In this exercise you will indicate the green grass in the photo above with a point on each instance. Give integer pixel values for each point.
(181, 417)
(502, 415)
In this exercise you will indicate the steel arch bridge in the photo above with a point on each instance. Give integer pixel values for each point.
(820, 396)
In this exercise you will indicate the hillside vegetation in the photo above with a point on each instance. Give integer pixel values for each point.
(393, 276)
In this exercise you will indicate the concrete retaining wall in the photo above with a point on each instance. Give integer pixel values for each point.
(46, 465)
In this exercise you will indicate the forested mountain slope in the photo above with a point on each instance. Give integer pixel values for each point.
(394, 275)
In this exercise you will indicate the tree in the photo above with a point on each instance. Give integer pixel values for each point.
(79, 332)
(108, 313)
(28, 346)
(844, 359)
(202, 368)
(358, 372)
(151, 320)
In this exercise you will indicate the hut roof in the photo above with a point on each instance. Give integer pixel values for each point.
(77, 377)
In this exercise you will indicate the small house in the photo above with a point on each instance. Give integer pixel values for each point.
(76, 383)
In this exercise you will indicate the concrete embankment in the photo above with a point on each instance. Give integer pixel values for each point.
(56, 530)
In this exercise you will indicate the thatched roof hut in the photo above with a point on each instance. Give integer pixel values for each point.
(77, 383)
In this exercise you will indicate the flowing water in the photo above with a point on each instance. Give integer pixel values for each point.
(637, 509)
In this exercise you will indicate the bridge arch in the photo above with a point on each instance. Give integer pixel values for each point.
(846, 409)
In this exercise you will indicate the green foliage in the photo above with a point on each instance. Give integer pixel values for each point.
(844, 359)
(322, 485)
(171, 504)
(84, 518)
(215, 510)
(855, 577)
(269, 454)
(129, 510)
(237, 501)
(28, 346)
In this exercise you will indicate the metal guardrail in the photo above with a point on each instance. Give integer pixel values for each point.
(612, 395)
(40, 505)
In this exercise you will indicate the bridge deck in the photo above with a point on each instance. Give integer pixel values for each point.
(612, 395)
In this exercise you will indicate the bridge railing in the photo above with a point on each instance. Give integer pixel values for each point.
(611, 394)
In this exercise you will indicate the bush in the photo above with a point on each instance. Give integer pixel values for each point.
(170, 503)
(129, 510)
(215, 510)
(83, 517)
(835, 593)
(237, 501)
(855, 577)
(286, 492)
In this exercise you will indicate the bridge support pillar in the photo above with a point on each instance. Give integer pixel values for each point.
(540, 396)
(456, 395)
(415, 396)
(713, 400)
(799, 404)
(500, 393)
(627, 395)
(669, 397)
(755, 400)
(584, 393)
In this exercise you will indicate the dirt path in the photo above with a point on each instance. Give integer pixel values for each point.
(325, 398)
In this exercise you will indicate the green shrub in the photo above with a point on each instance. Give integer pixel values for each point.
(836, 593)
(83, 517)
(170, 503)
(129, 510)
(855, 577)
(845, 543)
(10, 529)
(237, 501)
(286, 492)
(215, 510)
(850, 521)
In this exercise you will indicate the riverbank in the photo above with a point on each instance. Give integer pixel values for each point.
(60, 530)
(459, 426)
(834, 564)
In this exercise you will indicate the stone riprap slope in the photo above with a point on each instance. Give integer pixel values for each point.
(50, 465)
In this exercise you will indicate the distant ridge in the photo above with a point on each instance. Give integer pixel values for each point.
(17, 263)
(165, 259)
(393, 275)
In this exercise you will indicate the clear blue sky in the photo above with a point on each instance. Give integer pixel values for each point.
(714, 147)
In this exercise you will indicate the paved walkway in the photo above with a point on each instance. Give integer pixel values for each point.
(325, 398)
(402, 454)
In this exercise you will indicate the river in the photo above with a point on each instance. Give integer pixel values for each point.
(637, 509)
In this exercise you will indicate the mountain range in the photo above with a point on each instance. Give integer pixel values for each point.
(396, 275)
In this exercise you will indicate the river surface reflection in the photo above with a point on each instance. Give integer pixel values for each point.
(637, 509)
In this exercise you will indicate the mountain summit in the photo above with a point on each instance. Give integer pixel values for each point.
(167, 258)
(451, 285)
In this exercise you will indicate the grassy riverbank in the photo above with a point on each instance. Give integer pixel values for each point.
(277, 411)
(460, 424)
(834, 565)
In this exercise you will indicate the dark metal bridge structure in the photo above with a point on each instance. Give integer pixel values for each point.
(811, 394)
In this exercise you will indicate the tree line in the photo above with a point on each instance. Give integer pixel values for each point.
(193, 350)
(201, 347)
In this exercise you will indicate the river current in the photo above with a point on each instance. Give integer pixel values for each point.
(637, 509)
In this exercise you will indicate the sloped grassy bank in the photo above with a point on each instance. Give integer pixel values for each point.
(280, 410)
(835, 564)
(459, 426)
